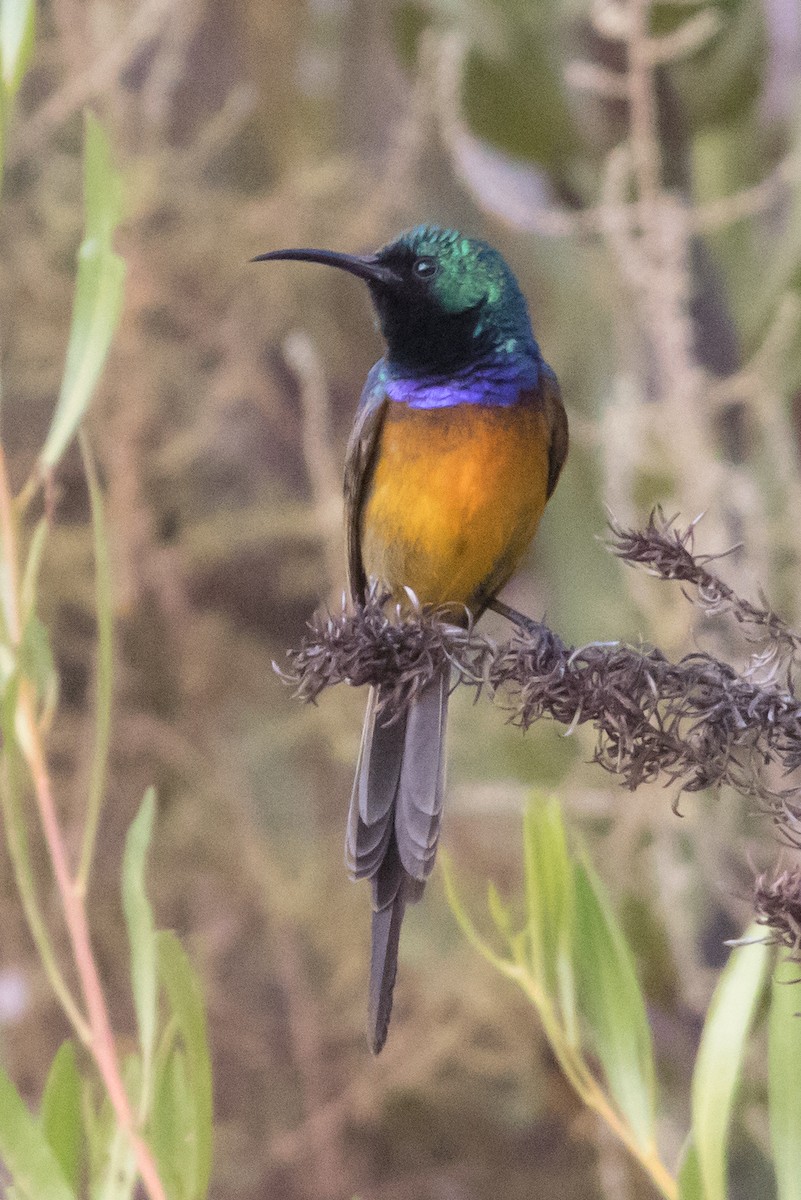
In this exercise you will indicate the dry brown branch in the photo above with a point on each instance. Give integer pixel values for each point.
(689, 37)
(667, 551)
(695, 723)
(748, 385)
(592, 77)
(324, 1144)
(750, 202)
(642, 112)
(218, 132)
(168, 66)
(318, 442)
(31, 135)
(777, 905)
(612, 19)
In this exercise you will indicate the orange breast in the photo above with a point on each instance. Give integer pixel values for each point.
(456, 496)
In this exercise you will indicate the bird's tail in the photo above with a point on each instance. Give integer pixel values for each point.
(393, 825)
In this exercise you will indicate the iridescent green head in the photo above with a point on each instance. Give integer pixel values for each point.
(457, 301)
(443, 300)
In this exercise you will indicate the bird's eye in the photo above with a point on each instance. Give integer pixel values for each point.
(425, 268)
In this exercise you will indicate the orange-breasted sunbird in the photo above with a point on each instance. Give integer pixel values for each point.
(459, 439)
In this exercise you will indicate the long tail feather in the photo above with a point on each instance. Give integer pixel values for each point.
(372, 801)
(393, 826)
(418, 808)
(389, 906)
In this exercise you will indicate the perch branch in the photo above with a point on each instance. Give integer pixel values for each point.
(695, 723)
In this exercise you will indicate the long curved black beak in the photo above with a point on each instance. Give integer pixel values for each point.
(365, 266)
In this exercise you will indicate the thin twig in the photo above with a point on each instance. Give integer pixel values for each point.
(749, 202)
(32, 134)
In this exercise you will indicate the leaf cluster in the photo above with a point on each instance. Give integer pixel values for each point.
(571, 959)
(75, 1145)
(103, 1124)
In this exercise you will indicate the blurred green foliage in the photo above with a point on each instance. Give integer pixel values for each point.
(572, 961)
(83, 1142)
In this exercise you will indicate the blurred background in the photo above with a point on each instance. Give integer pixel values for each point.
(638, 165)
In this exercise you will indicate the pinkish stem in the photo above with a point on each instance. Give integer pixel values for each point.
(101, 1040)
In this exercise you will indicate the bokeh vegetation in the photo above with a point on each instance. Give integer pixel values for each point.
(646, 192)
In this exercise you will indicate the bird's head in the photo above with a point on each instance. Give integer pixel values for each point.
(443, 300)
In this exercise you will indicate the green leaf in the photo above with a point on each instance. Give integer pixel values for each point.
(141, 937)
(613, 1005)
(784, 1074)
(464, 922)
(61, 1112)
(33, 564)
(165, 1133)
(720, 1056)
(8, 667)
(186, 1002)
(689, 1177)
(549, 906)
(173, 1120)
(115, 1160)
(99, 1125)
(501, 913)
(119, 1178)
(105, 663)
(25, 1150)
(98, 293)
(17, 33)
(36, 658)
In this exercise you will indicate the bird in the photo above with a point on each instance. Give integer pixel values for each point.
(458, 442)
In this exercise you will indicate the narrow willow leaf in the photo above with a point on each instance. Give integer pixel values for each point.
(165, 1131)
(99, 1125)
(463, 920)
(5, 117)
(784, 1077)
(500, 912)
(105, 663)
(26, 1152)
(61, 1112)
(689, 1177)
(186, 1003)
(172, 1126)
(17, 32)
(98, 294)
(117, 1176)
(141, 936)
(720, 1057)
(33, 563)
(549, 905)
(8, 667)
(36, 657)
(612, 1003)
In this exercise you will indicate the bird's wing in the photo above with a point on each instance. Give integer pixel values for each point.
(557, 420)
(359, 463)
